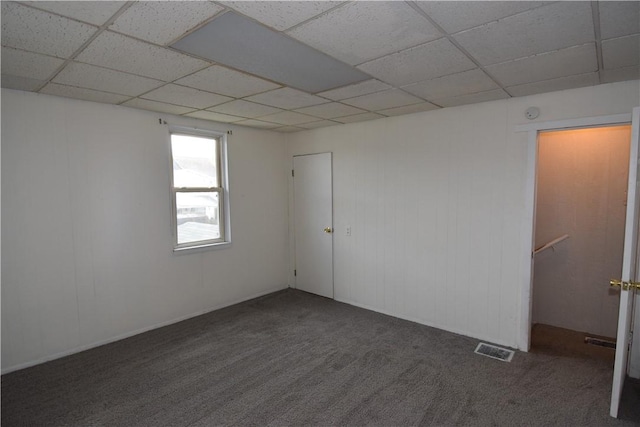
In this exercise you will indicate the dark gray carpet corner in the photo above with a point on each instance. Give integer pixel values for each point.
(291, 358)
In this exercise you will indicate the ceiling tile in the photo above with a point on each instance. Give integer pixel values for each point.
(162, 22)
(185, 96)
(621, 52)
(81, 93)
(320, 124)
(619, 18)
(244, 108)
(361, 31)
(102, 79)
(427, 61)
(20, 83)
(288, 129)
(28, 64)
(620, 74)
(37, 31)
(133, 56)
(562, 83)
(281, 15)
(225, 81)
(359, 118)
(330, 110)
(287, 98)
(490, 95)
(471, 81)
(560, 63)
(383, 100)
(161, 107)
(548, 28)
(409, 109)
(258, 124)
(454, 16)
(216, 117)
(362, 88)
(93, 12)
(289, 118)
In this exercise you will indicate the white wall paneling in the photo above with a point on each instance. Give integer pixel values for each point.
(86, 232)
(438, 205)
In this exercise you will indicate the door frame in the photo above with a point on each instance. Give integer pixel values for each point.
(528, 225)
(292, 227)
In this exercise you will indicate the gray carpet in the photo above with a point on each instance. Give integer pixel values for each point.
(291, 358)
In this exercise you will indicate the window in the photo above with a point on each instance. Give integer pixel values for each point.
(200, 207)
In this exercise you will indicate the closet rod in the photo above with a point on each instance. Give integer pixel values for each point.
(551, 243)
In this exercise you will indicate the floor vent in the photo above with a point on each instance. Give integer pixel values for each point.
(494, 352)
(601, 342)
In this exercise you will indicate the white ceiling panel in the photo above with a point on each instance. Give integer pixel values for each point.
(281, 15)
(331, 110)
(28, 64)
(160, 107)
(216, 117)
(620, 74)
(409, 109)
(82, 93)
(185, 96)
(162, 22)
(454, 16)
(361, 31)
(359, 118)
(383, 100)
(20, 83)
(363, 88)
(471, 81)
(474, 98)
(133, 56)
(93, 12)
(424, 62)
(30, 29)
(546, 66)
(289, 118)
(244, 108)
(319, 124)
(288, 129)
(619, 18)
(102, 79)
(548, 28)
(621, 52)
(287, 98)
(561, 83)
(226, 82)
(258, 124)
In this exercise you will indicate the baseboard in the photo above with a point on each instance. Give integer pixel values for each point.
(136, 332)
(480, 337)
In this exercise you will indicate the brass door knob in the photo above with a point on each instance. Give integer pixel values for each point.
(625, 285)
(328, 230)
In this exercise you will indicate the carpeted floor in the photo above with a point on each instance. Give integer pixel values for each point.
(292, 358)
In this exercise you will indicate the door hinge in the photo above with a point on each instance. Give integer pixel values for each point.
(295, 272)
(292, 173)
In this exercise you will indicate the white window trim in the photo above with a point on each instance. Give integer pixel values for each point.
(225, 216)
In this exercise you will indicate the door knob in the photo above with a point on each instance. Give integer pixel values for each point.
(624, 285)
(328, 230)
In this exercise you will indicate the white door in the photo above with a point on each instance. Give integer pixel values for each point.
(629, 270)
(313, 223)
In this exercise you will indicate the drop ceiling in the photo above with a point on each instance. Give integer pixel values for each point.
(375, 58)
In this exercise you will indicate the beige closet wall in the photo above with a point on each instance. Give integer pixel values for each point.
(581, 191)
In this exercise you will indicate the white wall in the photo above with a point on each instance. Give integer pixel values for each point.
(581, 191)
(86, 233)
(436, 202)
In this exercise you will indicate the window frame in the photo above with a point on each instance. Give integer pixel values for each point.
(220, 140)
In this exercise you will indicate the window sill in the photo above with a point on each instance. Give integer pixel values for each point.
(199, 248)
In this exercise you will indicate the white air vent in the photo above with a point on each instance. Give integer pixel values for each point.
(494, 352)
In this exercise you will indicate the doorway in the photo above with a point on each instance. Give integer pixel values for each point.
(313, 223)
(581, 184)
